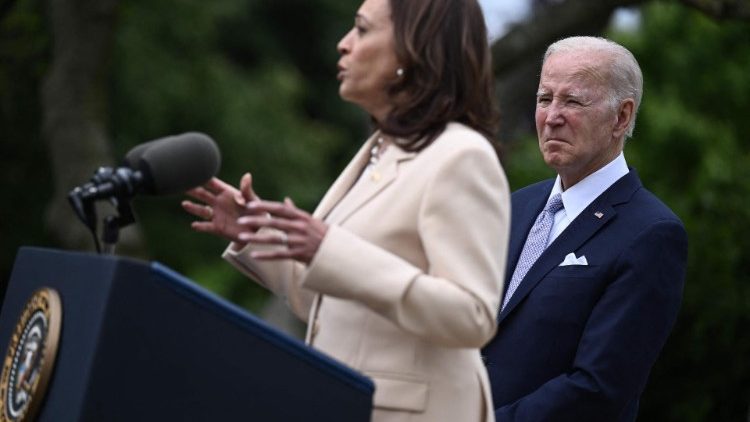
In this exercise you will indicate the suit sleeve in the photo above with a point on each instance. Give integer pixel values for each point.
(463, 227)
(622, 338)
(280, 277)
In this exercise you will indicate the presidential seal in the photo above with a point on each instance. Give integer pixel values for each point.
(30, 357)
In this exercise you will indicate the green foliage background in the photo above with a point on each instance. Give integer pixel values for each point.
(259, 77)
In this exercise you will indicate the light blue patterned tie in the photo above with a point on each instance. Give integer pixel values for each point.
(535, 244)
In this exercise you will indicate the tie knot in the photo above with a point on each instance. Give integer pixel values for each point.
(555, 204)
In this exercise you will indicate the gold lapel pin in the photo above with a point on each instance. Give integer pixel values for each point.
(599, 214)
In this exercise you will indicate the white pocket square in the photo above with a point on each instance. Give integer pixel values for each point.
(570, 259)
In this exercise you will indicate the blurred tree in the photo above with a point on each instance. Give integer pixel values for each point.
(24, 168)
(690, 148)
(75, 113)
(5, 8)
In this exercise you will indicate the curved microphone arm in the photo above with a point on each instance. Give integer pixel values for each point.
(118, 186)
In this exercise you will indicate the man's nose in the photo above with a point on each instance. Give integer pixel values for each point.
(554, 114)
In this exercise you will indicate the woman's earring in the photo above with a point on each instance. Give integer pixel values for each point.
(400, 72)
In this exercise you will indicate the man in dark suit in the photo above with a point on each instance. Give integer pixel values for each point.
(596, 262)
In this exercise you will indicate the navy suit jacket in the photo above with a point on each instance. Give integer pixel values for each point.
(576, 343)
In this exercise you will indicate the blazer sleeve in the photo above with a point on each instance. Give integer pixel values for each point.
(463, 224)
(280, 277)
(623, 336)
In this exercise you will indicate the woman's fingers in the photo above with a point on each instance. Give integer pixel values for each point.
(200, 194)
(198, 210)
(277, 209)
(216, 185)
(246, 188)
(255, 222)
(203, 226)
(293, 250)
(210, 204)
(298, 234)
(266, 238)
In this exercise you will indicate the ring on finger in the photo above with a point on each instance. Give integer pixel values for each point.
(284, 238)
(210, 211)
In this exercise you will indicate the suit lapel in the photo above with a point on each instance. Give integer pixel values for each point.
(369, 185)
(346, 180)
(588, 223)
(345, 196)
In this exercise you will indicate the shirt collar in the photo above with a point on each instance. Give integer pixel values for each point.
(576, 198)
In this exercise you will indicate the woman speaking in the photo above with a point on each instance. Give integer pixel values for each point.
(399, 270)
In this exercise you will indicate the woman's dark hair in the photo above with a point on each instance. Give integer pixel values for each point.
(443, 47)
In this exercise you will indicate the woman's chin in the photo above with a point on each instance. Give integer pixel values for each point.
(344, 92)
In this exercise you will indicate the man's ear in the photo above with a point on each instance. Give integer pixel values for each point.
(624, 117)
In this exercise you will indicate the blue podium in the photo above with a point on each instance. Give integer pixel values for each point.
(139, 342)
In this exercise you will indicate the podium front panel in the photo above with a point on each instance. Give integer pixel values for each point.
(141, 342)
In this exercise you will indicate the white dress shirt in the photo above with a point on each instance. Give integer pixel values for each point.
(579, 196)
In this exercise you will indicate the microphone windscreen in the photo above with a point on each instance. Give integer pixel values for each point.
(133, 157)
(176, 163)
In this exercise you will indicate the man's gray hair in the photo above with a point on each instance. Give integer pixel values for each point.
(625, 77)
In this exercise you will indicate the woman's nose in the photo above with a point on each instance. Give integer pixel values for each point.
(343, 46)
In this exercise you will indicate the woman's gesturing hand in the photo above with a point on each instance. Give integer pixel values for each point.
(294, 228)
(219, 205)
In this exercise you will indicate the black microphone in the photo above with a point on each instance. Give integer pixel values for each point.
(176, 163)
(160, 167)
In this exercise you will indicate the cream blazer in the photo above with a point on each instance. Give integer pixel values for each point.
(407, 281)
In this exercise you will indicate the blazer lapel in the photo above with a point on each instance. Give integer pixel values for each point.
(345, 196)
(346, 179)
(588, 223)
(380, 176)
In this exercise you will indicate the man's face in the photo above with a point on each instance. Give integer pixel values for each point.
(576, 124)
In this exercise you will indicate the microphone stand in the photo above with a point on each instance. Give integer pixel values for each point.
(113, 224)
(83, 205)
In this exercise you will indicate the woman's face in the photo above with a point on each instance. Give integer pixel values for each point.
(368, 59)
